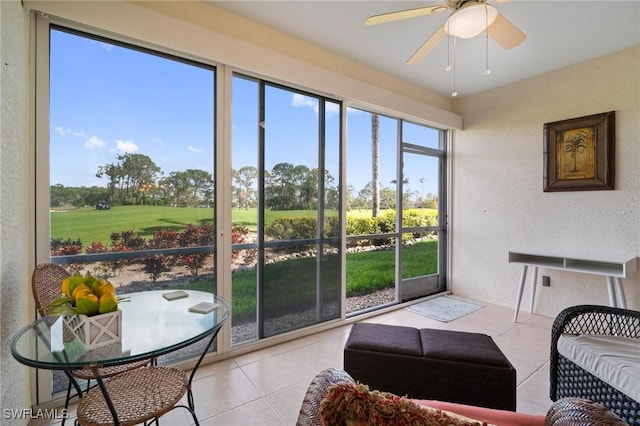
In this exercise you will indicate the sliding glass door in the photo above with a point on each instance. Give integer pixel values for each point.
(285, 150)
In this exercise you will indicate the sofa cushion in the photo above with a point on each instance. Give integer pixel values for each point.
(613, 359)
(354, 404)
(489, 415)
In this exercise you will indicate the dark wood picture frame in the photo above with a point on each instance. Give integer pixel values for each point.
(579, 153)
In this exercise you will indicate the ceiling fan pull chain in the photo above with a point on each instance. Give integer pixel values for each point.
(454, 93)
(487, 70)
(448, 67)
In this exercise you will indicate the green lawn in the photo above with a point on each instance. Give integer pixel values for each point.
(291, 285)
(88, 224)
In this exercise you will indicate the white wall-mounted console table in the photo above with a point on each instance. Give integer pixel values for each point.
(613, 267)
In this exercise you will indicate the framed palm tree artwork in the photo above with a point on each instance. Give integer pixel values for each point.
(579, 153)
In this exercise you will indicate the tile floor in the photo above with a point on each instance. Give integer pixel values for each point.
(266, 387)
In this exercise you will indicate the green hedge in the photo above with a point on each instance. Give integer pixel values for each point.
(297, 228)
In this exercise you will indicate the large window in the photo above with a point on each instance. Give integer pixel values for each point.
(135, 182)
(131, 166)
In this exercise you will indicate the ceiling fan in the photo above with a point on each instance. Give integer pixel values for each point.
(468, 19)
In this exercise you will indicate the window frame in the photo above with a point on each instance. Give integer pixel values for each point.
(222, 126)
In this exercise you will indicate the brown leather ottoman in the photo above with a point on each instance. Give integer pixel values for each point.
(454, 366)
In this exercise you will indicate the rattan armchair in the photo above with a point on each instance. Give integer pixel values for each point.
(137, 396)
(45, 285)
(569, 380)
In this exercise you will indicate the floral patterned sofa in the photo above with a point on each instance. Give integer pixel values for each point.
(334, 398)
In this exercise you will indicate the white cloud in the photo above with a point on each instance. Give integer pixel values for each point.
(299, 100)
(94, 143)
(61, 131)
(66, 132)
(194, 149)
(304, 101)
(126, 146)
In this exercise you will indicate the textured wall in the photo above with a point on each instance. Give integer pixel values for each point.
(14, 167)
(498, 201)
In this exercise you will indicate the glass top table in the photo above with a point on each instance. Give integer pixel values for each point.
(151, 326)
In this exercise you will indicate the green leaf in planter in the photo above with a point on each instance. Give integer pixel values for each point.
(62, 306)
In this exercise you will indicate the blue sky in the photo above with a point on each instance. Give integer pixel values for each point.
(108, 100)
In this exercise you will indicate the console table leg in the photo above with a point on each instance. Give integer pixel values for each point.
(523, 277)
(622, 299)
(534, 278)
(612, 292)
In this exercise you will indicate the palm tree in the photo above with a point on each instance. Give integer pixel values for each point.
(574, 145)
(375, 162)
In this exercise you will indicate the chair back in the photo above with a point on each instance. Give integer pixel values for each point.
(45, 285)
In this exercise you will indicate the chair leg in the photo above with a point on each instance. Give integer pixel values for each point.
(190, 410)
(72, 383)
(66, 402)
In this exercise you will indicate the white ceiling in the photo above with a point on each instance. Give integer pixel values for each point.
(559, 33)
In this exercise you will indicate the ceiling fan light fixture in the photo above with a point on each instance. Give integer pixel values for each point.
(470, 20)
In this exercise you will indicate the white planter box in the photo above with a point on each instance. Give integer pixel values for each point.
(94, 331)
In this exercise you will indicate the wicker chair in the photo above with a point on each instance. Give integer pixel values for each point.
(45, 285)
(136, 396)
(569, 380)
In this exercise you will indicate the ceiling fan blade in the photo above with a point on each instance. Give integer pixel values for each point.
(427, 46)
(505, 33)
(405, 14)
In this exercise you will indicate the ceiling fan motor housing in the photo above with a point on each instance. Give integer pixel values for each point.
(470, 19)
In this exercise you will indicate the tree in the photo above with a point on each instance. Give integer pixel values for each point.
(177, 189)
(128, 176)
(200, 184)
(350, 197)
(114, 173)
(364, 196)
(306, 183)
(280, 191)
(331, 192)
(375, 163)
(137, 170)
(244, 178)
(388, 198)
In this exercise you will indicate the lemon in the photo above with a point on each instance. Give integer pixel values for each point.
(70, 283)
(105, 288)
(80, 288)
(108, 303)
(87, 304)
(65, 286)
